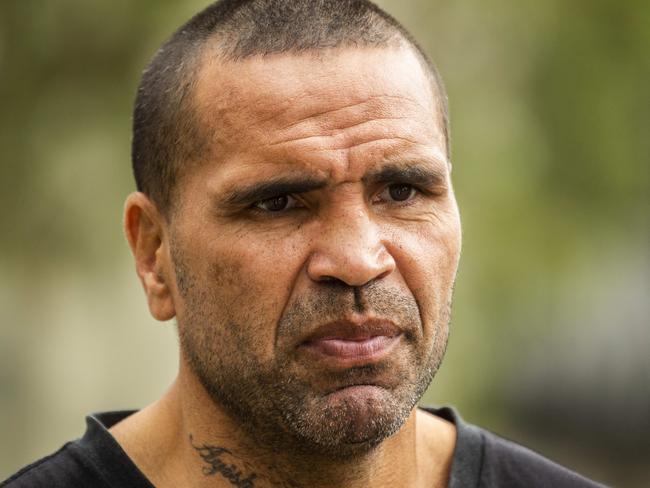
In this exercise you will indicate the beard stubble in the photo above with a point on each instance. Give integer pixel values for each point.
(281, 403)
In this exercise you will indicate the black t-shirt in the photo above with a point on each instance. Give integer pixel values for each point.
(481, 459)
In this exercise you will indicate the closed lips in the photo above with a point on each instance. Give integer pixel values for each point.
(360, 340)
(353, 348)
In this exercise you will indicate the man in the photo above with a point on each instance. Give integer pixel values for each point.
(295, 214)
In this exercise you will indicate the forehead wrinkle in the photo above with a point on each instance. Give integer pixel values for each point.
(238, 112)
(289, 76)
(230, 112)
(358, 123)
(343, 172)
(352, 165)
(348, 140)
(374, 102)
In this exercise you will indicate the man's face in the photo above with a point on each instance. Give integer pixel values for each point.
(316, 247)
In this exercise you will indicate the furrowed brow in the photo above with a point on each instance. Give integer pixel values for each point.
(271, 188)
(419, 174)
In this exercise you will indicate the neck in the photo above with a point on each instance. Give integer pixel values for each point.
(184, 439)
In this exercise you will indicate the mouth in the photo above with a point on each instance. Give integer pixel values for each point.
(352, 343)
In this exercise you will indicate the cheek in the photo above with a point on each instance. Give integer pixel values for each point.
(427, 259)
(263, 265)
(252, 280)
(428, 254)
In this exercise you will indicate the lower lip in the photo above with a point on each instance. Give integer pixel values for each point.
(372, 348)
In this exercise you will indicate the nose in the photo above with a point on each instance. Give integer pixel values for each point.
(349, 249)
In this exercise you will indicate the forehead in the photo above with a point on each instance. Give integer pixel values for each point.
(312, 108)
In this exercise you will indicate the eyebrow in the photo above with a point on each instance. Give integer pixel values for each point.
(416, 174)
(419, 175)
(272, 188)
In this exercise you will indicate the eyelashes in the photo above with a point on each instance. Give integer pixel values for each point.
(398, 193)
(277, 204)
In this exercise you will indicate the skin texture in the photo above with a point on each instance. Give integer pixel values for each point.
(360, 230)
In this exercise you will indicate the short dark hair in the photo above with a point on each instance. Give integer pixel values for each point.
(166, 130)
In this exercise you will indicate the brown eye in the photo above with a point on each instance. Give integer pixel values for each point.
(277, 204)
(400, 193)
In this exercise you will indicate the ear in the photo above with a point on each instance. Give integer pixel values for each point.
(145, 227)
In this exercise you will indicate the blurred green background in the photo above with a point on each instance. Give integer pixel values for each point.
(550, 107)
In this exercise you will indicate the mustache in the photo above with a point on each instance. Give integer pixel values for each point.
(334, 300)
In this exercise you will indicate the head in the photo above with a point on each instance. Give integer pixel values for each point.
(167, 135)
(296, 216)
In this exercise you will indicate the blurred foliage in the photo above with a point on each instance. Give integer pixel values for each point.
(550, 117)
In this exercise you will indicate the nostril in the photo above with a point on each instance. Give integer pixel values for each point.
(382, 275)
(333, 281)
(354, 258)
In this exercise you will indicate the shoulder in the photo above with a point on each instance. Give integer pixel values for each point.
(506, 463)
(484, 459)
(94, 461)
(63, 468)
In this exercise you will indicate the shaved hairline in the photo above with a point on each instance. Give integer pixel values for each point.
(212, 52)
(168, 134)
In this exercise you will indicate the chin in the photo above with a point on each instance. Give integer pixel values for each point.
(351, 421)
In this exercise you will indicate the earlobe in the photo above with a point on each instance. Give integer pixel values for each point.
(145, 227)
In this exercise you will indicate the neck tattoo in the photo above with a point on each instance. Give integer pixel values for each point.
(217, 463)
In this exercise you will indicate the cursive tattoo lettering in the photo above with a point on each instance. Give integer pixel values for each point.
(213, 456)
